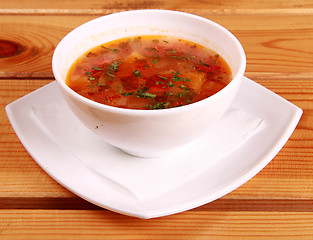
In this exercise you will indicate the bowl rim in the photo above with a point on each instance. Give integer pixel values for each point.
(149, 112)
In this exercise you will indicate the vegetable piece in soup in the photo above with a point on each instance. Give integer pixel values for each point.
(149, 72)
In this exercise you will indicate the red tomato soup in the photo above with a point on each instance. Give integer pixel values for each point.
(148, 72)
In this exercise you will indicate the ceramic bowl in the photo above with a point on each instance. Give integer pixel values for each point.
(149, 133)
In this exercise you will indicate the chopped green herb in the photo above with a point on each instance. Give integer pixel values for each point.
(187, 80)
(204, 64)
(159, 82)
(170, 84)
(100, 84)
(149, 95)
(164, 78)
(159, 105)
(111, 74)
(89, 75)
(175, 78)
(144, 94)
(97, 68)
(127, 93)
(181, 94)
(114, 66)
(184, 87)
(137, 73)
(111, 49)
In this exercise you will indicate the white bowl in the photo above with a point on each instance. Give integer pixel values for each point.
(149, 133)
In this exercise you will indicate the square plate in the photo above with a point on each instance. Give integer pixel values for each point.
(215, 181)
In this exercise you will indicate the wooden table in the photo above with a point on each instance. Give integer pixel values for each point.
(276, 204)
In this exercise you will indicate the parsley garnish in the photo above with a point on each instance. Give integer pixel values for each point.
(111, 49)
(158, 82)
(175, 78)
(114, 66)
(147, 95)
(110, 74)
(159, 105)
(170, 84)
(137, 73)
(144, 94)
(187, 80)
(89, 75)
(164, 78)
(181, 94)
(204, 64)
(127, 93)
(97, 68)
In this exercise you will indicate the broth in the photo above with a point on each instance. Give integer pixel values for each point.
(148, 72)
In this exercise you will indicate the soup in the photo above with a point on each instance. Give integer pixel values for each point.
(148, 72)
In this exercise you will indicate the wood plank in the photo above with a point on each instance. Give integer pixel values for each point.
(97, 224)
(289, 175)
(20, 175)
(38, 37)
(222, 204)
(272, 49)
(212, 11)
(223, 7)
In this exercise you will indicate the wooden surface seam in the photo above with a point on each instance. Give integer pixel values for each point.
(77, 11)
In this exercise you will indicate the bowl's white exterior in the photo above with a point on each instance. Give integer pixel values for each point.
(149, 133)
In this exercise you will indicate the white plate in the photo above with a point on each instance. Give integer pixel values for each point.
(217, 180)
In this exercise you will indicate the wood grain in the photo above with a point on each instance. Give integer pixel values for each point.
(97, 224)
(20, 176)
(283, 48)
(196, 6)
